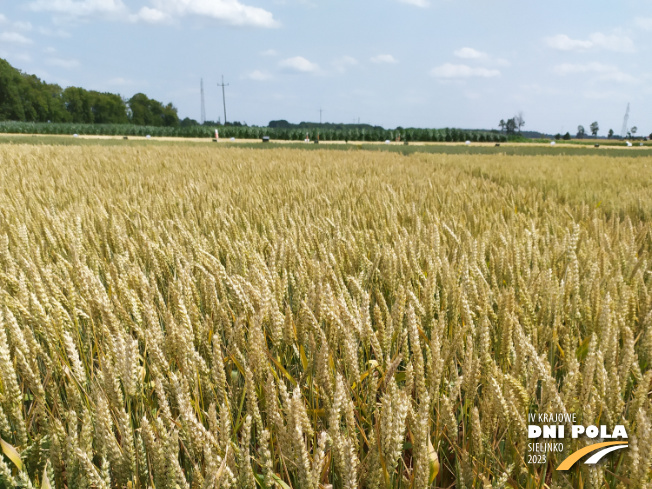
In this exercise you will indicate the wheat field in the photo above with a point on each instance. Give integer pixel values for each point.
(194, 317)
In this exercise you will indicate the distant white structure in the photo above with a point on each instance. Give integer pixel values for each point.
(307, 140)
(623, 131)
(387, 141)
(628, 143)
(468, 143)
(148, 136)
(552, 143)
(232, 139)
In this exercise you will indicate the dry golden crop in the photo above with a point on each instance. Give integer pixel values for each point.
(202, 317)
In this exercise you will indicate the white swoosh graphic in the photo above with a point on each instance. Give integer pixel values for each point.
(595, 458)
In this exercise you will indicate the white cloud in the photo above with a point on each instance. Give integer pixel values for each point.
(229, 11)
(67, 64)
(451, 71)
(259, 75)
(384, 58)
(614, 42)
(79, 8)
(14, 38)
(49, 50)
(269, 52)
(342, 63)
(416, 3)
(3, 19)
(604, 72)
(564, 43)
(474, 54)
(150, 15)
(597, 40)
(644, 23)
(299, 64)
(469, 53)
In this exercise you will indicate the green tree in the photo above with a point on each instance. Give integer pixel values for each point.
(511, 126)
(594, 128)
(567, 136)
(143, 112)
(11, 105)
(56, 107)
(282, 123)
(610, 134)
(34, 99)
(170, 116)
(108, 108)
(150, 112)
(188, 122)
(78, 105)
(580, 131)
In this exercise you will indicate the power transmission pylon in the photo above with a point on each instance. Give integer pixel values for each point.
(623, 131)
(223, 96)
(203, 103)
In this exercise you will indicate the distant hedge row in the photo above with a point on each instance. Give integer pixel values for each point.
(253, 132)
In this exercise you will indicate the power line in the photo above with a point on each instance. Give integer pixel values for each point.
(223, 96)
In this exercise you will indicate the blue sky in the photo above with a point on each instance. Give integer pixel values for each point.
(424, 63)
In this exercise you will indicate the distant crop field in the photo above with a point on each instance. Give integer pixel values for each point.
(200, 316)
(517, 148)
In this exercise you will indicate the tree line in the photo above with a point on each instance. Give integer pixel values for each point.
(595, 128)
(26, 98)
(255, 132)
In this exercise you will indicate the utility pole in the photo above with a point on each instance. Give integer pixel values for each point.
(223, 97)
(320, 111)
(203, 105)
